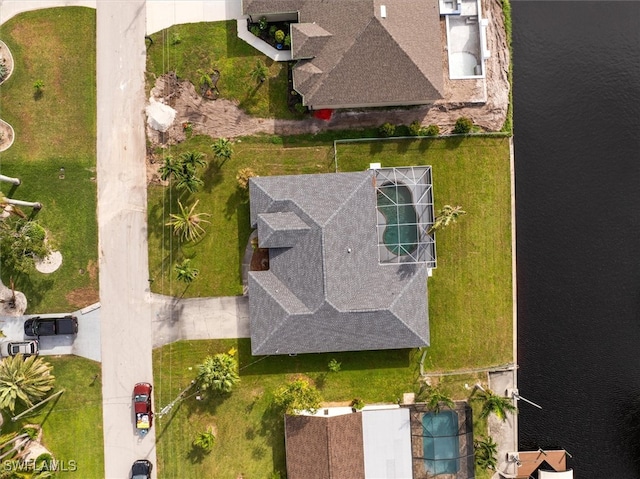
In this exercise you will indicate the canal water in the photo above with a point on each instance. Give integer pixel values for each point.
(577, 153)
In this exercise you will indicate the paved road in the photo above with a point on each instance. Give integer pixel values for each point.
(125, 316)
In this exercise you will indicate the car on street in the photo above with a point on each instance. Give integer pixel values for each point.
(141, 469)
(142, 406)
(51, 326)
(26, 348)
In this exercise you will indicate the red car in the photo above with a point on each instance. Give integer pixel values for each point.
(142, 406)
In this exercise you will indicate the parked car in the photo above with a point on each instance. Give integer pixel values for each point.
(141, 469)
(142, 406)
(27, 348)
(51, 326)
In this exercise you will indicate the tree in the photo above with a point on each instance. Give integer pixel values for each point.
(493, 404)
(222, 148)
(22, 241)
(436, 399)
(169, 168)
(447, 215)
(187, 223)
(184, 170)
(205, 440)
(185, 272)
(486, 452)
(38, 85)
(25, 381)
(299, 395)
(219, 372)
(463, 125)
(260, 72)
(243, 176)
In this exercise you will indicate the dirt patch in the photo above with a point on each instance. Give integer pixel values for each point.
(83, 297)
(485, 102)
(6, 132)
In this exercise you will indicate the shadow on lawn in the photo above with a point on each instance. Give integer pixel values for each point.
(272, 429)
(33, 290)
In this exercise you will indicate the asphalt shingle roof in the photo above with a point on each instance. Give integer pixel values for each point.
(326, 290)
(364, 58)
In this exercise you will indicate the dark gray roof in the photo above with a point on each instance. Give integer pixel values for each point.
(328, 291)
(363, 59)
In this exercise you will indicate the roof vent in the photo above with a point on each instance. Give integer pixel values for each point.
(383, 11)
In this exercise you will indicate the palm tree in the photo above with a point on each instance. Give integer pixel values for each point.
(9, 179)
(436, 399)
(187, 223)
(185, 272)
(219, 372)
(190, 160)
(205, 440)
(24, 380)
(169, 168)
(486, 452)
(189, 182)
(260, 72)
(447, 215)
(222, 148)
(498, 405)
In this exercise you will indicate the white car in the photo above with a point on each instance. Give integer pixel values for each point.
(26, 348)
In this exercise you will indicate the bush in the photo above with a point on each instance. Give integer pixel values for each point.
(279, 36)
(243, 176)
(263, 23)
(415, 128)
(272, 30)
(432, 130)
(387, 129)
(287, 40)
(175, 38)
(300, 108)
(334, 365)
(255, 29)
(357, 404)
(463, 125)
(297, 396)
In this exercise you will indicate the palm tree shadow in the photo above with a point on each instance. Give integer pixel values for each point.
(196, 454)
(213, 174)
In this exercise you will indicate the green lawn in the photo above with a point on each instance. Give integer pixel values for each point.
(188, 48)
(72, 423)
(53, 131)
(250, 437)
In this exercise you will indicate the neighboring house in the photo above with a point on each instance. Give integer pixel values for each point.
(372, 444)
(361, 53)
(349, 257)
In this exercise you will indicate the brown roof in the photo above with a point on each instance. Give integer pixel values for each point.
(364, 58)
(321, 447)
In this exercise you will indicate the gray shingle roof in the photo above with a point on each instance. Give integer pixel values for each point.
(281, 230)
(327, 291)
(367, 60)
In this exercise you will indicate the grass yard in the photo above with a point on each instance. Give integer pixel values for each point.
(55, 130)
(250, 437)
(470, 292)
(193, 48)
(72, 423)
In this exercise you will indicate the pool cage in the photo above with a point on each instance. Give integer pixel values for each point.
(404, 215)
(442, 443)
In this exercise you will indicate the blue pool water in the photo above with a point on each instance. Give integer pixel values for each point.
(401, 233)
(441, 444)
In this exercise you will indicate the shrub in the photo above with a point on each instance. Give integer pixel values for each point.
(357, 404)
(334, 366)
(463, 125)
(415, 128)
(272, 30)
(387, 129)
(175, 38)
(38, 85)
(432, 130)
(279, 36)
(287, 40)
(243, 176)
(263, 24)
(300, 108)
(298, 395)
(255, 29)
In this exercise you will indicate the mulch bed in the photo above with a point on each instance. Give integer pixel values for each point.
(259, 260)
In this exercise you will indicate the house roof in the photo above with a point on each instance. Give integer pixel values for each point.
(325, 289)
(360, 57)
(324, 447)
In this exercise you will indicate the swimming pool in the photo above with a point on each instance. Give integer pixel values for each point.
(441, 443)
(395, 202)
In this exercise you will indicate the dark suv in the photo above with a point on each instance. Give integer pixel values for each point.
(51, 326)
